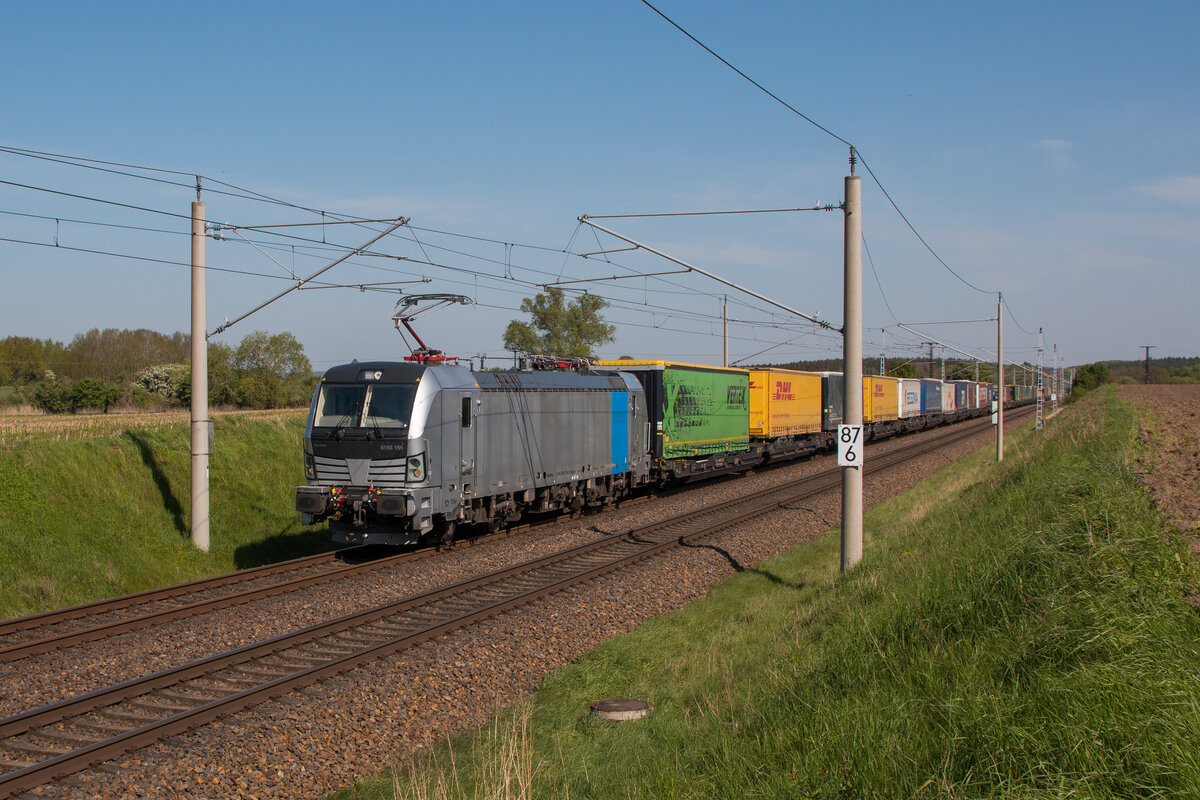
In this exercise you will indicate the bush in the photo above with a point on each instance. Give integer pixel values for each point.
(1091, 376)
(52, 395)
(167, 381)
(95, 394)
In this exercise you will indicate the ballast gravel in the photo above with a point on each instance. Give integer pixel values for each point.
(312, 742)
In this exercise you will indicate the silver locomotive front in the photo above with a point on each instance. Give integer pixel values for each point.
(367, 457)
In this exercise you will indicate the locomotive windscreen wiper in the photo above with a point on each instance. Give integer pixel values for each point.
(339, 430)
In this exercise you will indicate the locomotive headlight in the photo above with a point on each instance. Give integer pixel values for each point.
(310, 468)
(416, 467)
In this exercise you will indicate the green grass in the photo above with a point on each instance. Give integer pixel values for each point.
(82, 519)
(1018, 631)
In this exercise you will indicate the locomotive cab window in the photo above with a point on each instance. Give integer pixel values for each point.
(338, 405)
(466, 412)
(389, 405)
(357, 405)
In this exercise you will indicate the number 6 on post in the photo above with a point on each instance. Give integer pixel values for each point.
(849, 445)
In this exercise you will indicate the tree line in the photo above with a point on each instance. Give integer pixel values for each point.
(955, 370)
(103, 369)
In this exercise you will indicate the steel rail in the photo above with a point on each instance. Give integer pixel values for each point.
(15, 650)
(106, 605)
(55, 641)
(22, 649)
(334, 658)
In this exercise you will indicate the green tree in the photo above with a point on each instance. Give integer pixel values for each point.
(52, 395)
(903, 369)
(222, 377)
(1090, 376)
(272, 370)
(165, 381)
(560, 328)
(92, 393)
(110, 352)
(24, 360)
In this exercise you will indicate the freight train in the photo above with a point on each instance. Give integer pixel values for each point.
(397, 452)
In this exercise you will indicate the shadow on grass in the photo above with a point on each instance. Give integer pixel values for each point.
(283, 546)
(738, 567)
(162, 483)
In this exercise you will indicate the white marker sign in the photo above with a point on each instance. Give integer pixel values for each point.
(850, 443)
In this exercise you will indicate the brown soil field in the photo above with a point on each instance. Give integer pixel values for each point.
(1170, 467)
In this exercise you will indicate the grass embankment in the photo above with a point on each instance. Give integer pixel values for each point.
(108, 514)
(1026, 636)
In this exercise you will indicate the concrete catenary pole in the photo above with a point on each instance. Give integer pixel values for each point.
(883, 351)
(201, 424)
(852, 412)
(999, 377)
(1057, 378)
(725, 330)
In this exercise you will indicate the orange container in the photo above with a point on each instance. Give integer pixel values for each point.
(784, 402)
(881, 398)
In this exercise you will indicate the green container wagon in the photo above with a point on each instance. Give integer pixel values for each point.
(694, 411)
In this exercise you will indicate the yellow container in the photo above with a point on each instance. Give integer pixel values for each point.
(880, 398)
(784, 402)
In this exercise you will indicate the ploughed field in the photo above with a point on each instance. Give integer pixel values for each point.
(1170, 467)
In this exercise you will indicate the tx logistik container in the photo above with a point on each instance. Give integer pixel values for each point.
(784, 402)
(693, 410)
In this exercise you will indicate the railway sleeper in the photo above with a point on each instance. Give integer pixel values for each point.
(98, 726)
(361, 638)
(158, 707)
(224, 683)
(298, 661)
(256, 675)
(73, 741)
(123, 715)
(325, 654)
(332, 642)
(187, 697)
(37, 751)
(390, 630)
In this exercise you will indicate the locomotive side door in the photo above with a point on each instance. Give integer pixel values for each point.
(466, 440)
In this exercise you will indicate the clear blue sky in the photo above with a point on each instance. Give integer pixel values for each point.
(1046, 150)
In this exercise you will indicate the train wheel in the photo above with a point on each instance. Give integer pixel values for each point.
(444, 532)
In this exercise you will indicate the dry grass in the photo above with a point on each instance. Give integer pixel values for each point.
(18, 427)
(502, 766)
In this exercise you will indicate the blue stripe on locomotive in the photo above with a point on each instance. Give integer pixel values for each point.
(620, 432)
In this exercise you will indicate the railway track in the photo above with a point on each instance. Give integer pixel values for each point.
(42, 744)
(22, 637)
(51, 630)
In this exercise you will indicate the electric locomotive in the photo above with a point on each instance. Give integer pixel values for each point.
(395, 452)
